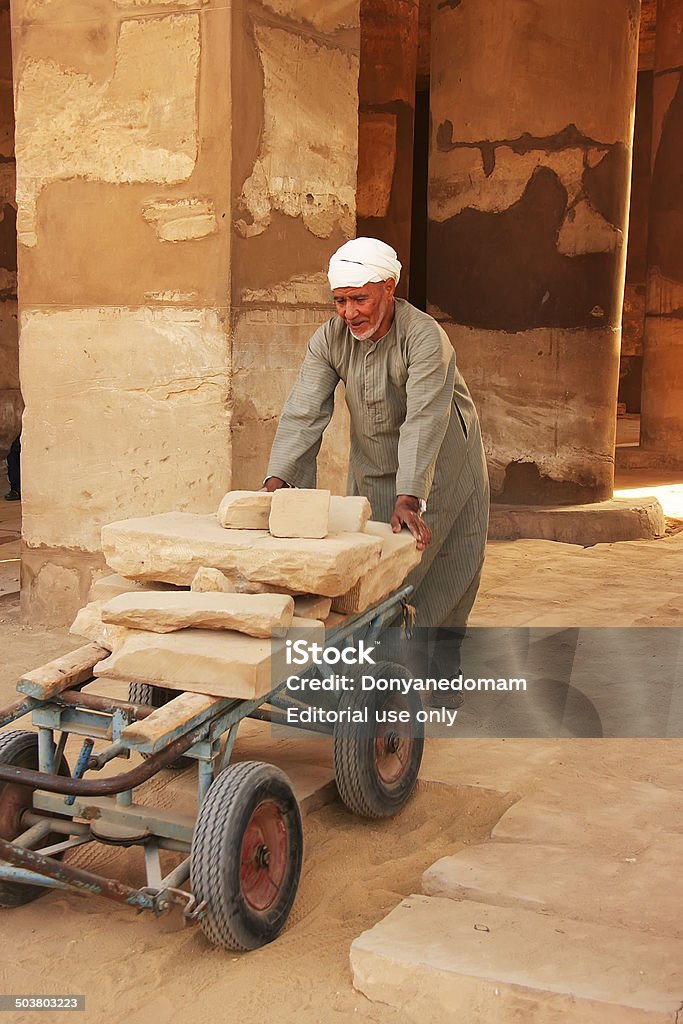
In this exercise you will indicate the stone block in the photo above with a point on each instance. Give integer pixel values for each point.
(201, 661)
(254, 614)
(350, 514)
(245, 510)
(600, 522)
(300, 512)
(399, 556)
(504, 965)
(88, 623)
(208, 581)
(174, 545)
(107, 587)
(613, 888)
(311, 606)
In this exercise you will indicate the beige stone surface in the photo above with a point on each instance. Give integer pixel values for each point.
(88, 623)
(399, 556)
(245, 510)
(310, 172)
(254, 614)
(106, 587)
(613, 889)
(139, 125)
(172, 546)
(310, 606)
(207, 581)
(332, 15)
(349, 514)
(585, 230)
(299, 512)
(180, 220)
(502, 964)
(201, 661)
(112, 370)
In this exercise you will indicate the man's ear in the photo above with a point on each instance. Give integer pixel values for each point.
(390, 286)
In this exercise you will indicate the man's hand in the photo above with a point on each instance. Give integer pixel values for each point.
(274, 483)
(406, 513)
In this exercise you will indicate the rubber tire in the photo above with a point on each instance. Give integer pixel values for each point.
(20, 748)
(157, 696)
(360, 785)
(215, 861)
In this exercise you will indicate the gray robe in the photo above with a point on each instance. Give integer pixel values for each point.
(414, 430)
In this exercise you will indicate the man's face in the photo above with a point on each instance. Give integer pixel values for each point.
(367, 311)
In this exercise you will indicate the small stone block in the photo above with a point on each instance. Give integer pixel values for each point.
(245, 510)
(211, 581)
(88, 623)
(106, 587)
(300, 512)
(312, 606)
(253, 614)
(350, 514)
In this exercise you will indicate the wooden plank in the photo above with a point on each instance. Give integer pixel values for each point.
(164, 720)
(69, 670)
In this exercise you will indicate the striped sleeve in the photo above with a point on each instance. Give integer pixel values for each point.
(305, 416)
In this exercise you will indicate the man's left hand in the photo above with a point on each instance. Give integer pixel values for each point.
(407, 513)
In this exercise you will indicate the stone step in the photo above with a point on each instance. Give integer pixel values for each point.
(440, 960)
(644, 888)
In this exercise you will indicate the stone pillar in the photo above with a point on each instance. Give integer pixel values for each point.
(532, 123)
(388, 64)
(173, 228)
(661, 431)
(10, 395)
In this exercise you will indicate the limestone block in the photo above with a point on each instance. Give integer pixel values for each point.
(88, 623)
(245, 510)
(349, 515)
(174, 545)
(399, 556)
(299, 512)
(254, 614)
(207, 581)
(107, 587)
(501, 964)
(219, 664)
(310, 606)
(139, 125)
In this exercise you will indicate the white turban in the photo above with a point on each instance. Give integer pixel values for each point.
(363, 260)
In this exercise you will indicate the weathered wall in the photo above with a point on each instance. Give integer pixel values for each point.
(295, 86)
(183, 174)
(123, 193)
(389, 45)
(10, 395)
(529, 178)
(662, 399)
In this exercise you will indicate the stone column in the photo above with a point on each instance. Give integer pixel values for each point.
(388, 64)
(661, 431)
(532, 123)
(184, 170)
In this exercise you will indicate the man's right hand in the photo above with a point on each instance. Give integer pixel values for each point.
(274, 483)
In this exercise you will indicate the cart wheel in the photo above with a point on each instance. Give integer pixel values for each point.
(157, 696)
(376, 763)
(20, 749)
(246, 857)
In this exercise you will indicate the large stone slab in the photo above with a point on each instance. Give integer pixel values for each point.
(88, 623)
(431, 956)
(202, 661)
(611, 889)
(399, 556)
(245, 510)
(172, 546)
(300, 512)
(601, 522)
(254, 614)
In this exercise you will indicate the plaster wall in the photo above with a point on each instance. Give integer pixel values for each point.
(530, 159)
(10, 395)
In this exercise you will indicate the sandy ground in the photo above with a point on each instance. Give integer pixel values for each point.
(133, 968)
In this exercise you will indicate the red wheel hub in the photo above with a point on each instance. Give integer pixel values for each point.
(392, 745)
(264, 856)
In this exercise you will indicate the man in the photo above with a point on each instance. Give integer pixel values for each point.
(416, 450)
